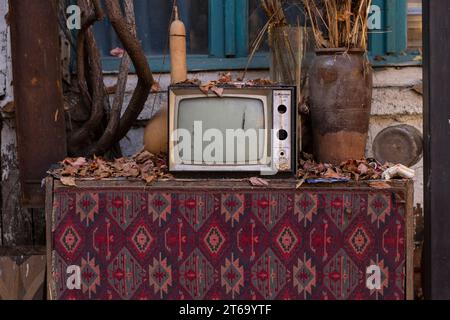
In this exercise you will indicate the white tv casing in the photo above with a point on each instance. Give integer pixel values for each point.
(279, 155)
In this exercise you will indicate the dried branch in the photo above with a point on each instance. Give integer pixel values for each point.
(345, 22)
(89, 19)
(98, 92)
(108, 137)
(91, 84)
(136, 53)
(98, 10)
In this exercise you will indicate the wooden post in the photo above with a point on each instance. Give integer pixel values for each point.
(37, 93)
(437, 152)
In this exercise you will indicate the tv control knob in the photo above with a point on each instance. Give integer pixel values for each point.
(282, 109)
(282, 134)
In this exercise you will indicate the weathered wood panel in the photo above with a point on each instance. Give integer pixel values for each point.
(17, 224)
(3, 50)
(48, 229)
(224, 183)
(22, 274)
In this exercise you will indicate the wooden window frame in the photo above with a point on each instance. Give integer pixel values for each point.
(227, 40)
(389, 46)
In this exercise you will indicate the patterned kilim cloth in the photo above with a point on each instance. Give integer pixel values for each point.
(268, 244)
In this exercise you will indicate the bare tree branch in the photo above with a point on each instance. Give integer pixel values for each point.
(89, 19)
(145, 77)
(98, 10)
(86, 36)
(108, 137)
(91, 84)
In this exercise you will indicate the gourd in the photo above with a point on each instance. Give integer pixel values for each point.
(178, 50)
(156, 132)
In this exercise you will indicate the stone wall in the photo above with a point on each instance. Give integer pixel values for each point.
(394, 103)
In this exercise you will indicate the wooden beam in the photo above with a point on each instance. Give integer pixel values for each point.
(437, 152)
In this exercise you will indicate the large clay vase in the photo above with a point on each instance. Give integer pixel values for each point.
(340, 101)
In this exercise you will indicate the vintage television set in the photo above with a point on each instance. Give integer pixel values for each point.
(236, 129)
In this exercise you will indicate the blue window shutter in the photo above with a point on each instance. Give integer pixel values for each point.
(389, 45)
(242, 14)
(377, 43)
(230, 28)
(228, 34)
(396, 13)
(216, 28)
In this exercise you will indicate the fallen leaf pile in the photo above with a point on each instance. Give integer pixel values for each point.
(225, 79)
(355, 170)
(144, 166)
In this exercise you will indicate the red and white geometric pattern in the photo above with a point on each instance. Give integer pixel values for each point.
(220, 244)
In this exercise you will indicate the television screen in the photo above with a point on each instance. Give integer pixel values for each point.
(229, 118)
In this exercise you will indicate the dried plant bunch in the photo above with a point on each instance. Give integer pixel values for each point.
(274, 12)
(273, 9)
(339, 23)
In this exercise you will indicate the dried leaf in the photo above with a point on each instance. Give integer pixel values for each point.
(150, 179)
(353, 170)
(363, 169)
(79, 162)
(69, 171)
(218, 91)
(206, 87)
(156, 87)
(143, 165)
(9, 107)
(379, 185)
(258, 182)
(117, 52)
(225, 78)
(144, 156)
(194, 82)
(260, 82)
(68, 181)
(331, 174)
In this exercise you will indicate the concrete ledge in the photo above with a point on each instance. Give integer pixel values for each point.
(397, 77)
(396, 101)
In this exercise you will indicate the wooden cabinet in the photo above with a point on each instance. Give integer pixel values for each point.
(224, 239)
